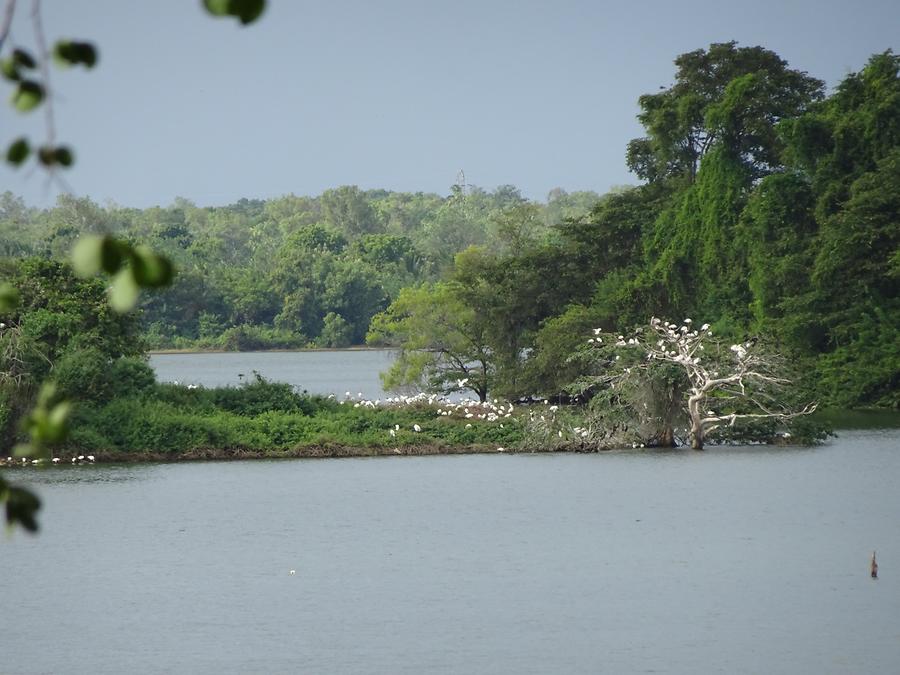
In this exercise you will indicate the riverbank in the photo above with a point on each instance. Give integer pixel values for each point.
(330, 451)
(218, 350)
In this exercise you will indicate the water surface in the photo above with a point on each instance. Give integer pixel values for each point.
(735, 560)
(316, 371)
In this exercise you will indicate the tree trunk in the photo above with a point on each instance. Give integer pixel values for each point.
(696, 422)
(667, 438)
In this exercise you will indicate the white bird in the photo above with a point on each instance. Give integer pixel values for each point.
(90, 458)
(462, 383)
(292, 572)
(56, 460)
(416, 427)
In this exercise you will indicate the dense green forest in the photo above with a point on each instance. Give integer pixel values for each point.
(293, 271)
(767, 207)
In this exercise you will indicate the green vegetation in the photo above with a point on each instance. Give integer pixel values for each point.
(766, 205)
(263, 418)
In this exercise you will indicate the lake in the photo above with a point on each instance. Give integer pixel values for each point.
(318, 372)
(733, 560)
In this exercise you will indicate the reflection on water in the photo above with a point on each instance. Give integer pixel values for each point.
(67, 474)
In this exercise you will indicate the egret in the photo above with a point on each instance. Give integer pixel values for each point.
(417, 428)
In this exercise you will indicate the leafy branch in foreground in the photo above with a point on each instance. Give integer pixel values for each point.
(132, 267)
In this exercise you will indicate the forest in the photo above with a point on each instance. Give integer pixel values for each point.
(767, 208)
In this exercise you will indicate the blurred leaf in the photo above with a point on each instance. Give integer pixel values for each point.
(10, 70)
(21, 507)
(124, 290)
(71, 53)
(58, 422)
(27, 96)
(151, 270)
(22, 58)
(18, 151)
(87, 255)
(247, 11)
(9, 297)
(50, 156)
(64, 156)
(94, 253)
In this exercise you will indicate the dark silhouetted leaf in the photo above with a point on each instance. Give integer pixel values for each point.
(71, 53)
(247, 11)
(21, 507)
(63, 155)
(18, 151)
(22, 58)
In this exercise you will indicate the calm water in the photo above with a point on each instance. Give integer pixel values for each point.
(319, 372)
(737, 560)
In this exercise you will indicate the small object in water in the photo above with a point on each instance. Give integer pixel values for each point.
(874, 566)
(292, 572)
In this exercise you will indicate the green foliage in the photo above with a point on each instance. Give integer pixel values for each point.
(27, 96)
(87, 374)
(18, 151)
(74, 53)
(246, 11)
(554, 364)
(20, 505)
(440, 338)
(725, 96)
(336, 332)
(132, 267)
(268, 418)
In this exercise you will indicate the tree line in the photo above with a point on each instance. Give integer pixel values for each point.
(286, 272)
(766, 207)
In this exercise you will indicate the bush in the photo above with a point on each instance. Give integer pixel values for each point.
(86, 374)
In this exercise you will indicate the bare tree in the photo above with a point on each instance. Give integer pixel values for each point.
(738, 379)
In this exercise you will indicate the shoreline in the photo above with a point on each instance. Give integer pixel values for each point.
(361, 348)
(304, 452)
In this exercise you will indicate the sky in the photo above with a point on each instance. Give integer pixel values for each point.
(393, 94)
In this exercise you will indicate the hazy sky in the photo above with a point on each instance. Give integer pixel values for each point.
(396, 94)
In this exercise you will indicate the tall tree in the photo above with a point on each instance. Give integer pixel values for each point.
(726, 95)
